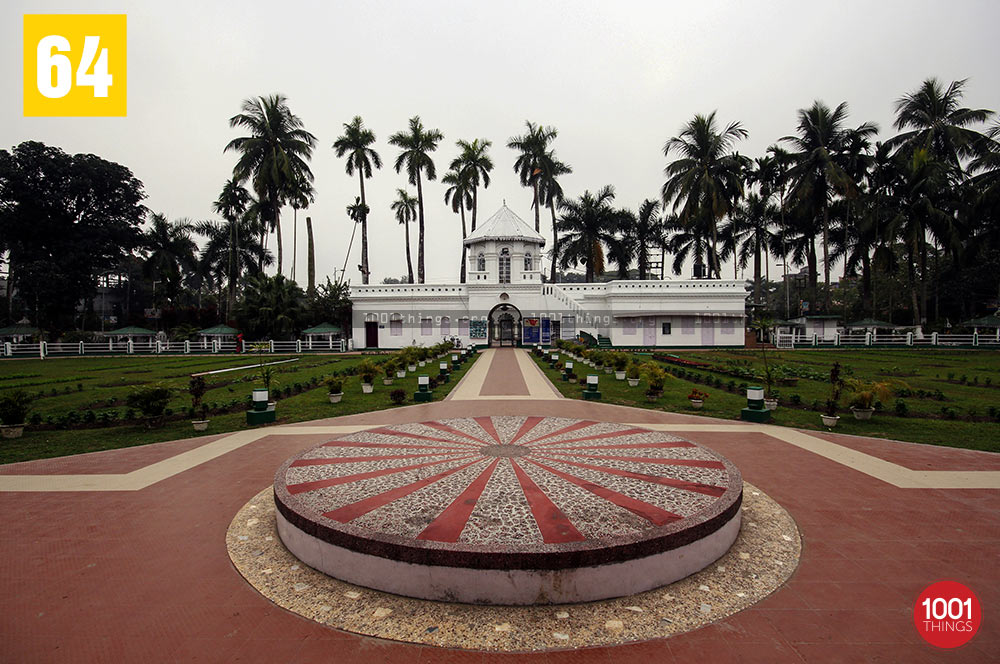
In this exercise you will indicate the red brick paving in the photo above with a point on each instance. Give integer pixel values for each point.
(144, 576)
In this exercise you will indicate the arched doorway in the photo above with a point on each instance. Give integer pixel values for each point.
(505, 325)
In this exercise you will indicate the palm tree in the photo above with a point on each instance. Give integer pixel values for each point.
(586, 224)
(682, 241)
(274, 154)
(817, 170)
(623, 245)
(459, 195)
(271, 307)
(748, 235)
(405, 207)
(706, 179)
(936, 122)
(356, 212)
(532, 147)
(356, 144)
(170, 254)
(648, 232)
(551, 195)
(416, 146)
(300, 195)
(474, 159)
(232, 204)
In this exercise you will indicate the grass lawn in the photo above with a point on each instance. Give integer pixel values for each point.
(967, 423)
(101, 384)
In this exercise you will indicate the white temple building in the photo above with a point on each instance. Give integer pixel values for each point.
(505, 302)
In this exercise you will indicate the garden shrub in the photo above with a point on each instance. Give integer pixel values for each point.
(151, 401)
(14, 407)
(795, 399)
(901, 408)
(397, 396)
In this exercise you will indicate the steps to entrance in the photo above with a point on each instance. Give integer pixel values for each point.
(603, 341)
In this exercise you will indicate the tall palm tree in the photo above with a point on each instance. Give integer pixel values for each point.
(170, 254)
(356, 144)
(415, 148)
(232, 204)
(405, 207)
(459, 195)
(586, 224)
(683, 240)
(748, 236)
(357, 212)
(551, 194)
(300, 195)
(706, 179)
(221, 263)
(272, 307)
(817, 171)
(931, 117)
(275, 152)
(474, 159)
(648, 232)
(532, 147)
(622, 243)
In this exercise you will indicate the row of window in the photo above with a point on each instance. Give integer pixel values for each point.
(629, 325)
(504, 264)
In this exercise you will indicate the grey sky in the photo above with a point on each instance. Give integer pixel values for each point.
(616, 79)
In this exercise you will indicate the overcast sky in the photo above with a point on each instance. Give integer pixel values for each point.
(617, 79)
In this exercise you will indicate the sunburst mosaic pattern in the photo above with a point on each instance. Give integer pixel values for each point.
(530, 484)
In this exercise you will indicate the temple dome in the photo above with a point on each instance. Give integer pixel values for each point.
(505, 226)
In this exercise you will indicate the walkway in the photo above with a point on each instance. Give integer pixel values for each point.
(120, 555)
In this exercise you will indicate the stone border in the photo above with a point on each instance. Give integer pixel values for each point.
(763, 557)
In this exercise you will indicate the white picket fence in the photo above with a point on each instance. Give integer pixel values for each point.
(869, 339)
(150, 347)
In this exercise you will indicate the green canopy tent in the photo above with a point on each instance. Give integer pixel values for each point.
(218, 331)
(991, 321)
(323, 332)
(19, 331)
(130, 331)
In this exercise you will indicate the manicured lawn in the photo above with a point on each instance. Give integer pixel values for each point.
(910, 371)
(102, 384)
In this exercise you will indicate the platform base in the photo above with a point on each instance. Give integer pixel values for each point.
(754, 415)
(591, 396)
(423, 396)
(258, 417)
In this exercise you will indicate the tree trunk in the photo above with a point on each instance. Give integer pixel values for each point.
(826, 258)
(756, 269)
(462, 274)
(475, 207)
(923, 273)
(911, 270)
(295, 239)
(234, 257)
(420, 231)
(364, 230)
(275, 206)
(409, 260)
(311, 261)
(555, 242)
(534, 186)
(715, 255)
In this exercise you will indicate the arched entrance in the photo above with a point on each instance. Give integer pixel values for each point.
(505, 325)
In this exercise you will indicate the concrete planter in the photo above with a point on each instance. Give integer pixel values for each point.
(401, 374)
(697, 403)
(367, 388)
(862, 413)
(200, 425)
(620, 375)
(608, 370)
(633, 382)
(11, 430)
(830, 420)
(335, 398)
(771, 404)
(411, 367)
(387, 381)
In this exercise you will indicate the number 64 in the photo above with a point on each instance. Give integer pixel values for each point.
(100, 80)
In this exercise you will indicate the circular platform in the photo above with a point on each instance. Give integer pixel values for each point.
(508, 510)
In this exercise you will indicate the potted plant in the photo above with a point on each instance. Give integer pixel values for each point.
(368, 382)
(197, 389)
(411, 359)
(571, 376)
(771, 400)
(334, 389)
(14, 409)
(390, 369)
(830, 417)
(864, 394)
(620, 362)
(763, 327)
(697, 398)
(632, 374)
(656, 378)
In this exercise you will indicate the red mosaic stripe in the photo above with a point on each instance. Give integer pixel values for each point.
(347, 479)
(529, 424)
(400, 434)
(651, 513)
(354, 510)
(363, 459)
(414, 446)
(624, 446)
(697, 487)
(573, 427)
(487, 424)
(444, 427)
(448, 525)
(598, 436)
(554, 526)
(700, 463)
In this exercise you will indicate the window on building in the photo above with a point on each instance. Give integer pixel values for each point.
(666, 328)
(396, 326)
(728, 325)
(481, 262)
(445, 326)
(628, 326)
(463, 327)
(504, 266)
(687, 324)
(426, 325)
(527, 262)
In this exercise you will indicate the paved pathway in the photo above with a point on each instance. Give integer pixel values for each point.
(120, 555)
